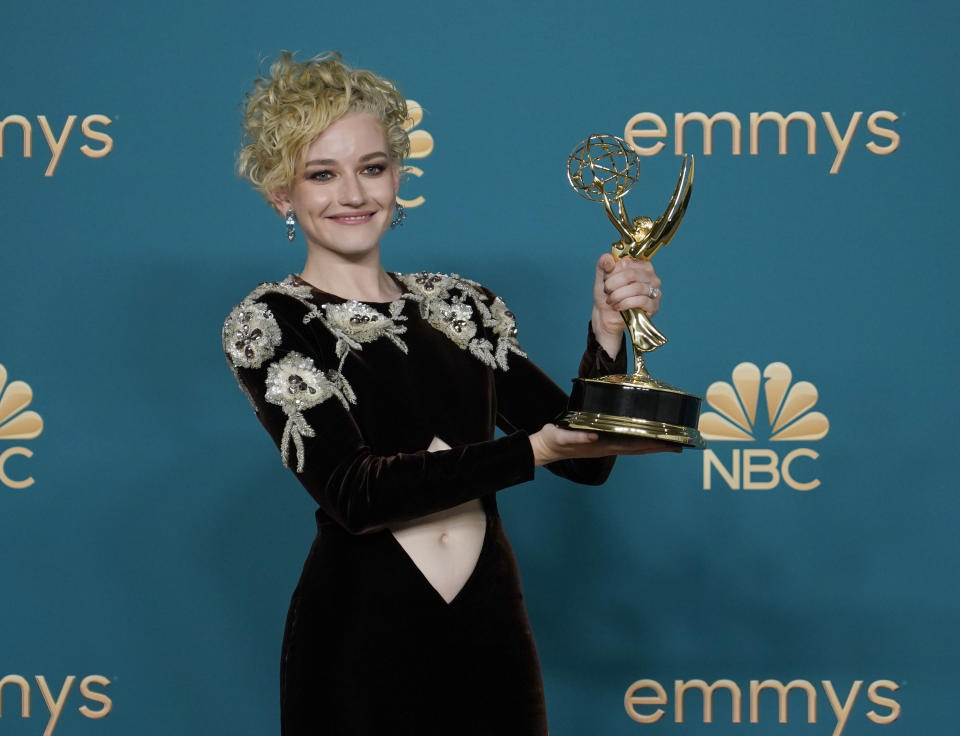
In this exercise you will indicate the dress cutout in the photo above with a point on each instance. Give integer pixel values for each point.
(445, 545)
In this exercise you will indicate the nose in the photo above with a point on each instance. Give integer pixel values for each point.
(351, 191)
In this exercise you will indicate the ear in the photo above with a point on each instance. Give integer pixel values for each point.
(280, 200)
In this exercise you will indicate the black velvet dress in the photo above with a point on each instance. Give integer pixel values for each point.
(353, 393)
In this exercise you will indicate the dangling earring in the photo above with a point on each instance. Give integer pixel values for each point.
(291, 222)
(399, 215)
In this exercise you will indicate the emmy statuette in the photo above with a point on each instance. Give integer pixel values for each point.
(603, 169)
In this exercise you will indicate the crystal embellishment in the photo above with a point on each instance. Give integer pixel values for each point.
(454, 321)
(424, 285)
(250, 334)
(458, 307)
(295, 384)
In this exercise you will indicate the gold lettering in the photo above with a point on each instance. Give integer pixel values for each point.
(6, 479)
(750, 467)
(417, 172)
(842, 712)
(782, 691)
(27, 133)
(680, 119)
(631, 132)
(883, 132)
(680, 687)
(96, 135)
(631, 700)
(56, 144)
(785, 469)
(842, 144)
(890, 703)
(24, 693)
(95, 696)
(54, 706)
(710, 459)
(782, 123)
(651, 125)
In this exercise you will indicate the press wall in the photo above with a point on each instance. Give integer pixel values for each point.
(150, 536)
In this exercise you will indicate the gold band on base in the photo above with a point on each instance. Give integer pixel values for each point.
(687, 436)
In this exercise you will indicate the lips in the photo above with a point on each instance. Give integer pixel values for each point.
(352, 218)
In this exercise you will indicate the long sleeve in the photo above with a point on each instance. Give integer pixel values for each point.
(294, 382)
(527, 399)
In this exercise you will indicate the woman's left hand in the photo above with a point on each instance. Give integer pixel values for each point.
(619, 285)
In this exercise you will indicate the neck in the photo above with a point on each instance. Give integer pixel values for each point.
(362, 278)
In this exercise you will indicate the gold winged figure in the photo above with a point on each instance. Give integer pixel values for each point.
(642, 237)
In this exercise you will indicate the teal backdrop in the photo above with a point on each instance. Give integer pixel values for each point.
(150, 537)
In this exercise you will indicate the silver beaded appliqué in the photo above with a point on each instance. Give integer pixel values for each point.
(424, 287)
(457, 307)
(454, 321)
(354, 323)
(250, 334)
(295, 385)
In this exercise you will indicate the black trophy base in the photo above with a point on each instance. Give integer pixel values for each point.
(634, 405)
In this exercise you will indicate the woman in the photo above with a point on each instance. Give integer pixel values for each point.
(382, 391)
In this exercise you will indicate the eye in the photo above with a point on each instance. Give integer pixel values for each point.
(374, 169)
(320, 175)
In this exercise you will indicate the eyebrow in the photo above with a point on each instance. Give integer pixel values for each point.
(330, 161)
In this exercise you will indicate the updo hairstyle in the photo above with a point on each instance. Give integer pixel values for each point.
(289, 109)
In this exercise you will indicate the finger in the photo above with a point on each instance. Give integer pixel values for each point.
(573, 436)
(648, 305)
(605, 264)
(638, 265)
(622, 278)
(634, 288)
(638, 271)
(641, 265)
(576, 437)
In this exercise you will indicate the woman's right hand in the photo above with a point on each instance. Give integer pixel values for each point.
(552, 443)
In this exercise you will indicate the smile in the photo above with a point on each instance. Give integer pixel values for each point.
(352, 219)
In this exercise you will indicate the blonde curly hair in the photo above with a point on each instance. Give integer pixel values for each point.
(287, 110)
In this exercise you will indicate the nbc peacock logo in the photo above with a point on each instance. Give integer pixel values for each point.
(789, 419)
(16, 424)
(421, 146)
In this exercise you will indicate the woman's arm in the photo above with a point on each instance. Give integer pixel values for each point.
(304, 406)
(530, 400)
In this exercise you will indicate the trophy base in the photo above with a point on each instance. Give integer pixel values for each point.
(635, 405)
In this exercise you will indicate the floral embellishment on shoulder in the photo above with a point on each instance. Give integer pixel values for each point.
(295, 385)
(443, 304)
(250, 334)
(458, 307)
(454, 320)
(425, 286)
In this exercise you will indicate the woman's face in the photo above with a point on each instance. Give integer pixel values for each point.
(345, 187)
